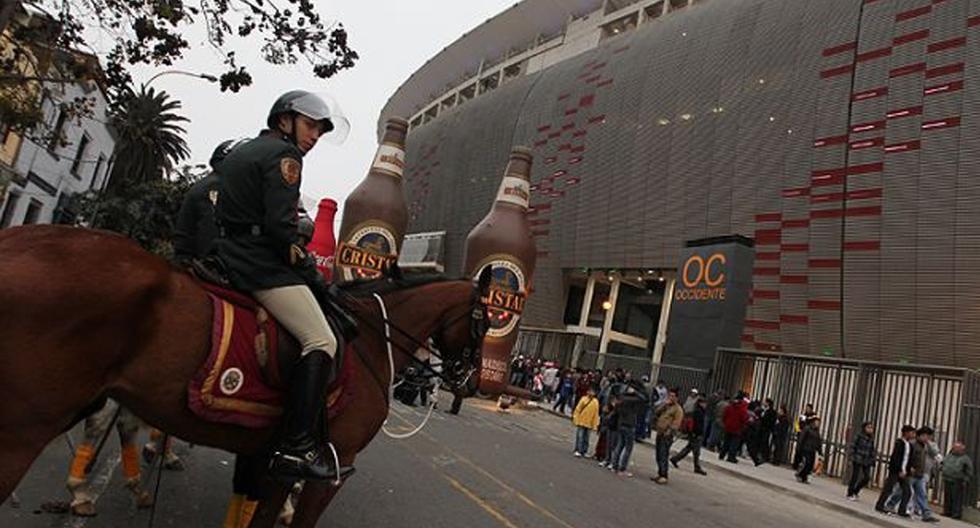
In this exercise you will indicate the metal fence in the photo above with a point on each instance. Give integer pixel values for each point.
(846, 393)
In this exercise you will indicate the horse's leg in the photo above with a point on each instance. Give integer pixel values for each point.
(315, 498)
(267, 513)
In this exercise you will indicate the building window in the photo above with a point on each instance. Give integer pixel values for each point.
(95, 173)
(83, 144)
(33, 212)
(8, 209)
(59, 127)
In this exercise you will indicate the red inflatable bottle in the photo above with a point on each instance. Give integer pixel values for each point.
(324, 244)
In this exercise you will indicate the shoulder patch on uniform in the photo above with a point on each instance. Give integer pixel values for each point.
(290, 169)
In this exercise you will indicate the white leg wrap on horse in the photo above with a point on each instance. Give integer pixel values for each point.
(296, 309)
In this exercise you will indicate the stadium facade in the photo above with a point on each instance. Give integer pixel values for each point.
(842, 136)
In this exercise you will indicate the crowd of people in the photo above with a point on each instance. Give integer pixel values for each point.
(620, 409)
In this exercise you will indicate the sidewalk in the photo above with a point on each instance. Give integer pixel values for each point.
(822, 491)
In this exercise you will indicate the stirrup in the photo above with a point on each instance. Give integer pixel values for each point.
(292, 467)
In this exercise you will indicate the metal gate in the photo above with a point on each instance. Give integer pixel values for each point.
(846, 393)
(970, 425)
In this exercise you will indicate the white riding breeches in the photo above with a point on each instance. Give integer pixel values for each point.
(297, 310)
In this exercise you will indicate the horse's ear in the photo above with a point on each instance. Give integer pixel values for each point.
(483, 282)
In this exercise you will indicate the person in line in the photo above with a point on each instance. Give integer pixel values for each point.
(736, 418)
(753, 433)
(767, 424)
(861, 451)
(566, 391)
(809, 444)
(609, 423)
(694, 428)
(798, 428)
(780, 436)
(928, 457)
(632, 401)
(585, 417)
(957, 473)
(714, 399)
(716, 441)
(898, 472)
(691, 402)
(670, 415)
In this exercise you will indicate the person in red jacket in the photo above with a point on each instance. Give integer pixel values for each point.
(735, 419)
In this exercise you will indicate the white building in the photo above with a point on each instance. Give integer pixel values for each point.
(37, 177)
(46, 175)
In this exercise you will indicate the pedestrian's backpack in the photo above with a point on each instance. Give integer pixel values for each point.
(687, 426)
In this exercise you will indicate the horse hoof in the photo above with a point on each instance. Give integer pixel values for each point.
(144, 500)
(174, 464)
(83, 509)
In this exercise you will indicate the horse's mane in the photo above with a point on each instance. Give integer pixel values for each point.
(392, 283)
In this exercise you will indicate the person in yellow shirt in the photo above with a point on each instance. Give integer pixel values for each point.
(585, 417)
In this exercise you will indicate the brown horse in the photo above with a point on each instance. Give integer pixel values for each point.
(88, 314)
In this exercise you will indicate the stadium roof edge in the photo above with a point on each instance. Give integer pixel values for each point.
(517, 25)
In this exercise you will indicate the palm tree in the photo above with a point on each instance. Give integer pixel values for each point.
(150, 139)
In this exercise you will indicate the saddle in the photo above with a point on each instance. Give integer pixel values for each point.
(244, 378)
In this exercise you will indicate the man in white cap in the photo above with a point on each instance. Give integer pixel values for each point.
(691, 402)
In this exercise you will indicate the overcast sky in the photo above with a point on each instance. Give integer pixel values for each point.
(393, 37)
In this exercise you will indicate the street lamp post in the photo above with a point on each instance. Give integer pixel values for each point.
(205, 76)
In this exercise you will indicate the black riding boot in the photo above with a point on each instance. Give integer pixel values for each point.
(300, 453)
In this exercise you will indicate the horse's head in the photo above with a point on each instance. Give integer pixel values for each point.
(460, 338)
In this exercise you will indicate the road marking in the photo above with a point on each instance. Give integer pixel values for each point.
(480, 502)
(524, 498)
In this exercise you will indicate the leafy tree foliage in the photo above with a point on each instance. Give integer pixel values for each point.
(155, 33)
(149, 142)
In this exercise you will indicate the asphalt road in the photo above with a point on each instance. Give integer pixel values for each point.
(482, 469)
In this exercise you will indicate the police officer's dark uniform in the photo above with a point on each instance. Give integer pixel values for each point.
(261, 250)
(196, 229)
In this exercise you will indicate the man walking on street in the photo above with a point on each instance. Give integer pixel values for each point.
(898, 467)
(670, 415)
(694, 425)
(927, 456)
(809, 444)
(957, 472)
(767, 424)
(862, 453)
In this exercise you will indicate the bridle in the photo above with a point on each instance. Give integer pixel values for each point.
(455, 373)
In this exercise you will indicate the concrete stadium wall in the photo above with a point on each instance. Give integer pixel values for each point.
(843, 135)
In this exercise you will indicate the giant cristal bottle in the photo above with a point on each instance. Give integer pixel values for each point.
(324, 245)
(375, 214)
(502, 240)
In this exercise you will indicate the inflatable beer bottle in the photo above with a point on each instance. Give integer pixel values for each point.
(502, 240)
(323, 245)
(375, 214)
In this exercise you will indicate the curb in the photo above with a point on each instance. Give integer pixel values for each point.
(874, 518)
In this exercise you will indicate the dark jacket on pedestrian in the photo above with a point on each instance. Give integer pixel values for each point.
(736, 417)
(862, 449)
(632, 402)
(957, 468)
(697, 421)
(897, 456)
(917, 462)
(781, 430)
(810, 440)
(768, 420)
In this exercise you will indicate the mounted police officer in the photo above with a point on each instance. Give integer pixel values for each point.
(260, 247)
(196, 229)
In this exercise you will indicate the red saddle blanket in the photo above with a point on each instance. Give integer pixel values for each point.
(240, 382)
